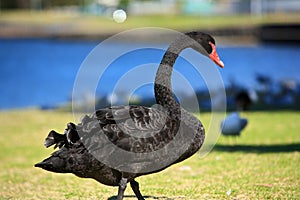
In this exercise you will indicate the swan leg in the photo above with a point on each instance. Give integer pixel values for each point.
(136, 189)
(122, 187)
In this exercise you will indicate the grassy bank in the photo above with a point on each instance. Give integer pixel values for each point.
(261, 164)
(33, 23)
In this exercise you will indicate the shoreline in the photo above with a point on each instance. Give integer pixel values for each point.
(17, 31)
(285, 33)
(233, 28)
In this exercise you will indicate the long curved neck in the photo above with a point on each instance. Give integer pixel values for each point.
(162, 85)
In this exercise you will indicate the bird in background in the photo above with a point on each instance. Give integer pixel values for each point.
(233, 124)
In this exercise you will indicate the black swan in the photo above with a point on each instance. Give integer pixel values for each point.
(86, 149)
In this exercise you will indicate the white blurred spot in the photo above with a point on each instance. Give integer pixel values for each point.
(185, 168)
(228, 192)
(119, 16)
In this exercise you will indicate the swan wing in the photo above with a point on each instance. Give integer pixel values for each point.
(132, 128)
(123, 134)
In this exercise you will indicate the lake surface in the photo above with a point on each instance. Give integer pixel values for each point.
(42, 72)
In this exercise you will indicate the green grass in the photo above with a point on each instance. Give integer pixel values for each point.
(261, 164)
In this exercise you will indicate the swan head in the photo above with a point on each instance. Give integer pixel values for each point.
(206, 45)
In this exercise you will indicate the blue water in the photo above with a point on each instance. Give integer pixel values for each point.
(41, 72)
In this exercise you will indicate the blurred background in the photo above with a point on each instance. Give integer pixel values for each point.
(44, 42)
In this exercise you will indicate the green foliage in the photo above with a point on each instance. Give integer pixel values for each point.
(123, 4)
(263, 163)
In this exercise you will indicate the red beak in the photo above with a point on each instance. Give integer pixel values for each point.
(214, 56)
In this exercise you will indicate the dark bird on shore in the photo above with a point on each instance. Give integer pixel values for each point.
(117, 144)
(233, 124)
(243, 100)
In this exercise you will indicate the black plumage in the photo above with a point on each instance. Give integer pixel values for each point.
(155, 137)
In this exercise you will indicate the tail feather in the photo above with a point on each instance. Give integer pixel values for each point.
(55, 138)
(70, 137)
(71, 133)
(61, 161)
